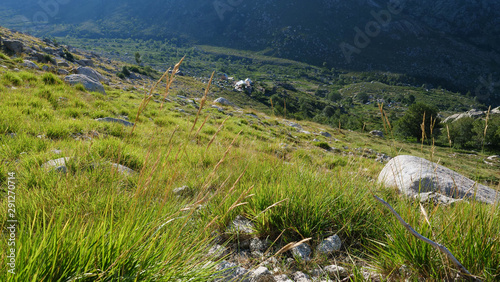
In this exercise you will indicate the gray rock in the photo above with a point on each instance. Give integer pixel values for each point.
(183, 191)
(495, 111)
(223, 101)
(217, 108)
(435, 198)
(300, 277)
(494, 158)
(329, 245)
(87, 82)
(62, 63)
(295, 125)
(30, 64)
(241, 227)
(58, 165)
(123, 169)
(336, 271)
(302, 251)
(326, 134)
(85, 63)
(62, 72)
(451, 118)
(377, 133)
(257, 245)
(217, 252)
(109, 119)
(229, 271)
(261, 274)
(382, 158)
(413, 175)
(92, 74)
(15, 46)
(282, 278)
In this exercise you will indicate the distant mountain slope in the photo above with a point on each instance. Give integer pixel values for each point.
(449, 43)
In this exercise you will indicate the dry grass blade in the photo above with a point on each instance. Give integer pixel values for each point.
(291, 246)
(202, 102)
(424, 213)
(272, 206)
(149, 95)
(215, 134)
(170, 80)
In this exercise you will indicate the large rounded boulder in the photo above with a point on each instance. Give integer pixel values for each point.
(413, 175)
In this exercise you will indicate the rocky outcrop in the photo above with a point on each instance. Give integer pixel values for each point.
(89, 83)
(30, 64)
(85, 63)
(14, 46)
(92, 74)
(414, 175)
(223, 101)
(474, 113)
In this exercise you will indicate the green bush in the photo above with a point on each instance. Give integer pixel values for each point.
(12, 79)
(51, 79)
(322, 145)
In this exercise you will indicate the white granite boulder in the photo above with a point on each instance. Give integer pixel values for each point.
(413, 175)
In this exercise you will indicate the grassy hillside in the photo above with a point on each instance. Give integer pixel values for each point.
(307, 90)
(94, 222)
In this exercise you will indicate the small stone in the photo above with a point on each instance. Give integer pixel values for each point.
(329, 245)
(57, 165)
(336, 271)
(261, 274)
(217, 252)
(303, 251)
(229, 271)
(109, 119)
(300, 277)
(377, 133)
(223, 101)
(282, 278)
(217, 108)
(326, 134)
(183, 191)
(123, 169)
(241, 226)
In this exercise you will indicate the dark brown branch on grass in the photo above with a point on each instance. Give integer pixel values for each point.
(440, 247)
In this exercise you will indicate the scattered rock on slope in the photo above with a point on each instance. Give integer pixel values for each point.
(30, 64)
(117, 120)
(413, 175)
(87, 82)
(92, 74)
(329, 245)
(223, 101)
(377, 133)
(15, 46)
